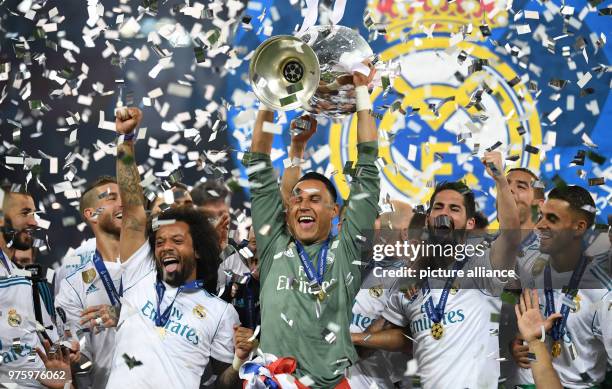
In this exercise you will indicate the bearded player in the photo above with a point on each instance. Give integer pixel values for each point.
(171, 327)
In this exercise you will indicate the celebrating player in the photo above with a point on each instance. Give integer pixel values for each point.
(451, 322)
(308, 278)
(171, 327)
(575, 284)
(89, 297)
(20, 303)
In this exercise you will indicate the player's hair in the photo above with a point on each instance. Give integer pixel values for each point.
(481, 220)
(538, 193)
(149, 203)
(578, 199)
(205, 243)
(208, 192)
(7, 196)
(320, 177)
(468, 196)
(89, 196)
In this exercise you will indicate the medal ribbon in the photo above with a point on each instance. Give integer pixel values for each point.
(162, 318)
(4, 261)
(558, 328)
(307, 263)
(435, 313)
(107, 281)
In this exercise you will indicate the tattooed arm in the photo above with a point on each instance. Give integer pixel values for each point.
(134, 219)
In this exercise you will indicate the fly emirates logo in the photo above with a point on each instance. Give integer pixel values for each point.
(423, 323)
(174, 325)
(300, 283)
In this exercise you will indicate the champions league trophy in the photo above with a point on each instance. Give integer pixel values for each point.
(312, 71)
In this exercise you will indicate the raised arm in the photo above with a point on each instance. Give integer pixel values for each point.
(266, 200)
(362, 207)
(366, 127)
(134, 218)
(505, 247)
(292, 174)
(261, 142)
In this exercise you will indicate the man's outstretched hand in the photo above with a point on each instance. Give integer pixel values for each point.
(360, 79)
(303, 136)
(127, 119)
(529, 318)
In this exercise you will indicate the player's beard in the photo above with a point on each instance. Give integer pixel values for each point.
(108, 226)
(442, 238)
(20, 240)
(179, 277)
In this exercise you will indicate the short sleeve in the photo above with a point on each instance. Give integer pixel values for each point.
(70, 303)
(394, 310)
(222, 346)
(603, 318)
(137, 266)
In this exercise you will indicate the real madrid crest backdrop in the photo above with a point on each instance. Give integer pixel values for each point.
(472, 76)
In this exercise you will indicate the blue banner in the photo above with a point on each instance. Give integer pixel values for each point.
(543, 94)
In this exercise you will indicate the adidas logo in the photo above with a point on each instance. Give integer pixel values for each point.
(92, 288)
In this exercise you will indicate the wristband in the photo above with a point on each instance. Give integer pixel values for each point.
(362, 97)
(237, 363)
(127, 137)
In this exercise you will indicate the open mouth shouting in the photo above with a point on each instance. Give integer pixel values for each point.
(118, 215)
(170, 264)
(306, 222)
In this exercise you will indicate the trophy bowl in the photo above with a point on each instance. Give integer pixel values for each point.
(284, 72)
(338, 50)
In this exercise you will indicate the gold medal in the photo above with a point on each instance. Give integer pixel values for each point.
(161, 331)
(321, 295)
(14, 319)
(89, 275)
(556, 349)
(576, 307)
(437, 331)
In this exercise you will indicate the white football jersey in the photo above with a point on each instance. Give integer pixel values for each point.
(381, 369)
(530, 262)
(586, 347)
(175, 356)
(82, 289)
(74, 259)
(466, 355)
(18, 337)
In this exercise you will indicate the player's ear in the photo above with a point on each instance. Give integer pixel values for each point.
(89, 215)
(471, 223)
(580, 226)
(336, 210)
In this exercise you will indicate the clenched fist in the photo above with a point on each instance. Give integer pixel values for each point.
(493, 163)
(242, 343)
(127, 119)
